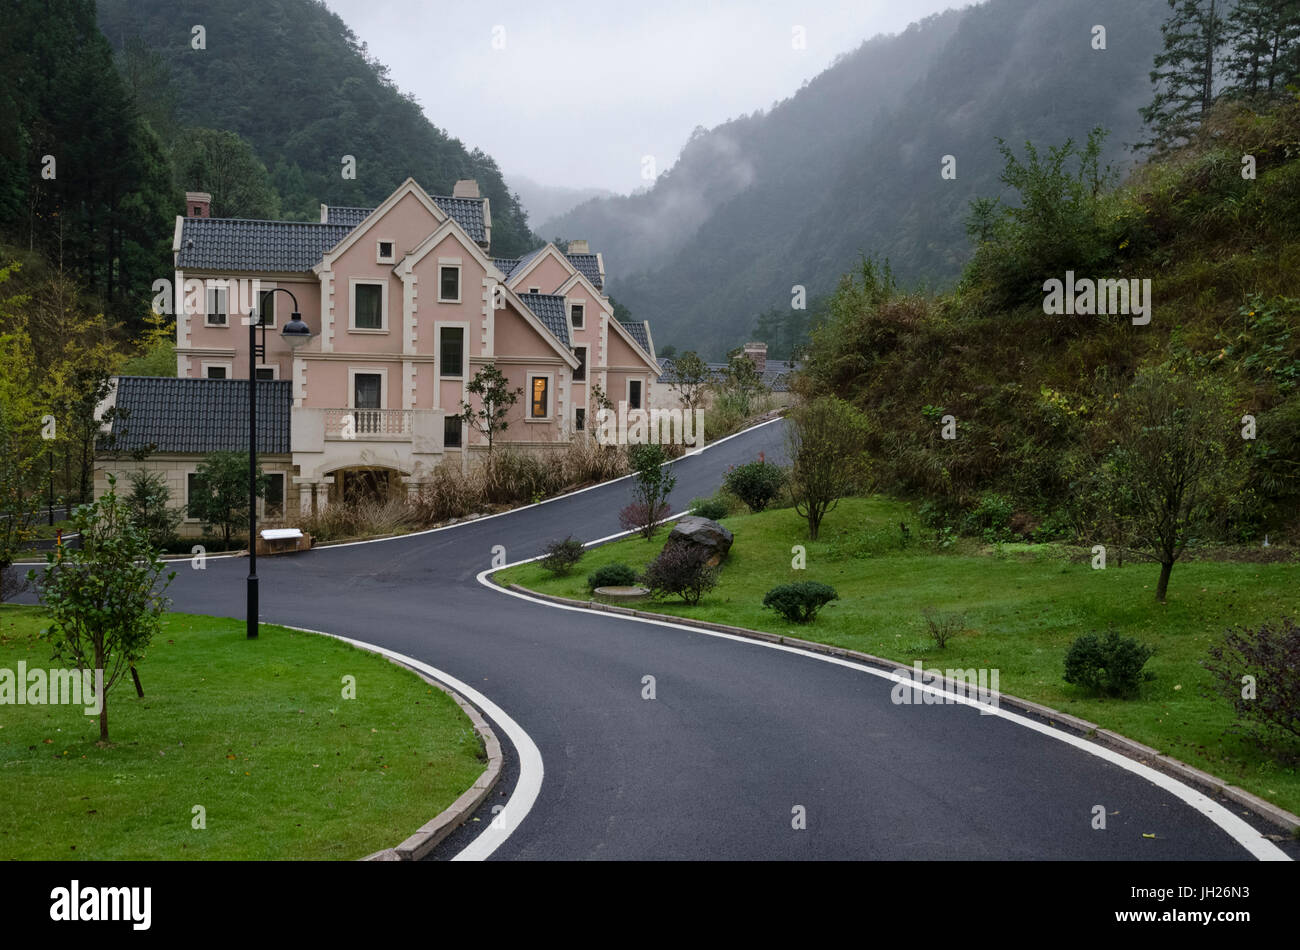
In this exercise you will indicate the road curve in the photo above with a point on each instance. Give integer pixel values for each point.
(738, 735)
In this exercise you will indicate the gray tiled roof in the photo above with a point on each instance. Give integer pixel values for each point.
(468, 213)
(349, 216)
(506, 264)
(588, 266)
(523, 261)
(639, 332)
(776, 375)
(550, 309)
(241, 244)
(198, 415)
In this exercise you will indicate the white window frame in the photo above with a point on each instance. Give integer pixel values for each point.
(380, 371)
(550, 398)
(273, 367)
(463, 326)
(212, 295)
(228, 365)
(627, 392)
(275, 320)
(353, 283)
(586, 366)
(578, 303)
(451, 264)
(391, 257)
(576, 410)
(284, 498)
(534, 290)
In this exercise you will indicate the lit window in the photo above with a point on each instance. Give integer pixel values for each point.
(539, 405)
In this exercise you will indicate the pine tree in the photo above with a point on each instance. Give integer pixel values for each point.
(1185, 70)
(1264, 36)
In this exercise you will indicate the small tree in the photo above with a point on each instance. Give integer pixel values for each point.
(741, 384)
(495, 401)
(1168, 469)
(689, 377)
(827, 460)
(17, 503)
(105, 598)
(652, 483)
(149, 511)
(562, 556)
(221, 498)
(755, 483)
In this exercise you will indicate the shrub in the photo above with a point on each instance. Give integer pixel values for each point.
(1270, 701)
(652, 485)
(711, 508)
(149, 512)
(1109, 666)
(755, 483)
(561, 556)
(991, 518)
(680, 569)
(611, 575)
(799, 603)
(943, 626)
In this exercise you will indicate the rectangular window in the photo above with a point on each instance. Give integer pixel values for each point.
(368, 307)
(266, 372)
(273, 501)
(384, 253)
(634, 394)
(366, 391)
(539, 402)
(449, 284)
(579, 419)
(452, 351)
(216, 372)
(217, 309)
(192, 488)
(578, 315)
(451, 432)
(266, 307)
(580, 373)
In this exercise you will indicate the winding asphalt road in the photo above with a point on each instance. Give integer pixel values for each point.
(739, 733)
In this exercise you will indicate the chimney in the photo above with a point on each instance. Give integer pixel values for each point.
(757, 353)
(466, 188)
(579, 247)
(198, 204)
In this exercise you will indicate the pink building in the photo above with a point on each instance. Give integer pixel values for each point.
(405, 305)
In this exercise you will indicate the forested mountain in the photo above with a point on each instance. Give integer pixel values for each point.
(292, 79)
(851, 164)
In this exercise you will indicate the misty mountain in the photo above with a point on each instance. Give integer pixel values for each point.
(544, 202)
(851, 163)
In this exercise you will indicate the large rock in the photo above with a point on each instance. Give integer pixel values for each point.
(702, 533)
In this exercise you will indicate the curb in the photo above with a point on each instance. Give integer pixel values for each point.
(1148, 756)
(430, 835)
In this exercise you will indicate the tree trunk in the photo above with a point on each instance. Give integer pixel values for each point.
(103, 697)
(1162, 586)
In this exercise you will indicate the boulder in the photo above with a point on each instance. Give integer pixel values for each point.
(702, 533)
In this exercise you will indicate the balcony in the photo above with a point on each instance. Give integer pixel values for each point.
(383, 425)
(405, 440)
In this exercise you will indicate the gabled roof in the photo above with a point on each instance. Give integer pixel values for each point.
(589, 266)
(526, 260)
(243, 244)
(505, 265)
(550, 309)
(468, 213)
(166, 414)
(639, 332)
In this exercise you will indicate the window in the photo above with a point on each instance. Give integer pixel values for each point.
(580, 373)
(368, 306)
(217, 309)
(213, 369)
(273, 500)
(577, 313)
(539, 401)
(634, 394)
(215, 372)
(451, 354)
(579, 419)
(268, 372)
(266, 307)
(367, 391)
(449, 283)
(384, 252)
(193, 486)
(451, 432)
(534, 290)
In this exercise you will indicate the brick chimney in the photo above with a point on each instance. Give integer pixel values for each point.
(465, 188)
(579, 247)
(757, 353)
(198, 204)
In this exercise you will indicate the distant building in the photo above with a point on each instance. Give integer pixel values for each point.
(775, 374)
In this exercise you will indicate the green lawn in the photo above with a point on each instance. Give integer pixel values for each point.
(257, 732)
(1024, 606)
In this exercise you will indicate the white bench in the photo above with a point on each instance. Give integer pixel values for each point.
(282, 541)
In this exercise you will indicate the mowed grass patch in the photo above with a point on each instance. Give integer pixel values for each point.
(257, 732)
(1023, 607)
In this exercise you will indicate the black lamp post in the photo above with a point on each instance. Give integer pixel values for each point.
(295, 332)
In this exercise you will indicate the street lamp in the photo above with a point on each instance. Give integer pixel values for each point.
(295, 333)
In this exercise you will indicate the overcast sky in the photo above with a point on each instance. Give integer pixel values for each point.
(581, 91)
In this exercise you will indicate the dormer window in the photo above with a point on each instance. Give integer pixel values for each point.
(384, 252)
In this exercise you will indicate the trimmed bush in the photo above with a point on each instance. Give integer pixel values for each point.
(799, 603)
(561, 556)
(755, 483)
(711, 508)
(680, 569)
(1270, 701)
(1109, 666)
(611, 575)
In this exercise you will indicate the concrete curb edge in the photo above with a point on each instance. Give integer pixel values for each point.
(1153, 758)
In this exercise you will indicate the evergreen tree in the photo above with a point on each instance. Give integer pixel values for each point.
(1185, 70)
(1264, 36)
(224, 165)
